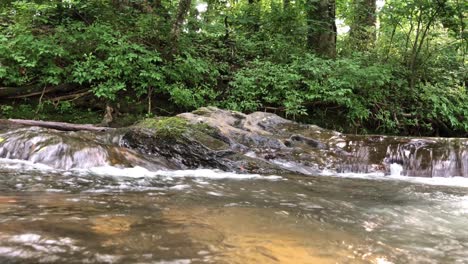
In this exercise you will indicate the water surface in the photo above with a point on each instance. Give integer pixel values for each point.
(112, 215)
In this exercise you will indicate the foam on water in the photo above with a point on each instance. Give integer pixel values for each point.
(30, 245)
(395, 174)
(396, 169)
(440, 181)
(214, 174)
(136, 172)
(16, 164)
(140, 172)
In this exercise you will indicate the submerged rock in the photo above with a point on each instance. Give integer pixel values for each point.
(231, 141)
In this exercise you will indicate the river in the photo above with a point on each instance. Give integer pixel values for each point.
(133, 215)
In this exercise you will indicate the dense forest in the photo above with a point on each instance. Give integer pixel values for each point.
(365, 66)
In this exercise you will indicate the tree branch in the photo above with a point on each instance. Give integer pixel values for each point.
(53, 125)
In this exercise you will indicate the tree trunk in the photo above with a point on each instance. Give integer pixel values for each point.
(254, 13)
(321, 35)
(363, 24)
(184, 7)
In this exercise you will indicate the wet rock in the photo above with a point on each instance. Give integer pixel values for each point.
(67, 150)
(182, 151)
(214, 138)
(266, 143)
(246, 143)
(309, 141)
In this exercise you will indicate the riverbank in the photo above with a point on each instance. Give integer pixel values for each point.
(66, 112)
(123, 115)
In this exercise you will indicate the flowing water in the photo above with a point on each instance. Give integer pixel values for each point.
(132, 215)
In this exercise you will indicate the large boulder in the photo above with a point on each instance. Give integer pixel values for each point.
(257, 143)
(263, 142)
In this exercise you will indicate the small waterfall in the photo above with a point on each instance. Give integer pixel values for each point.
(430, 158)
(66, 150)
(423, 157)
(395, 169)
(365, 156)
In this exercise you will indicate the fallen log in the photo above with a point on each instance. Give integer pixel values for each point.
(70, 97)
(6, 92)
(53, 125)
(33, 90)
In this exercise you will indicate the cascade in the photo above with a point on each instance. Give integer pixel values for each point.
(420, 157)
(67, 150)
(431, 158)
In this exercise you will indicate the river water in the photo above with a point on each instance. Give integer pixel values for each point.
(115, 215)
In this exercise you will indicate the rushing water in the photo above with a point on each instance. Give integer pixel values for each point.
(112, 215)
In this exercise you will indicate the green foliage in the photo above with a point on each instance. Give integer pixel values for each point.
(411, 79)
(307, 81)
(191, 81)
(116, 64)
(6, 110)
(63, 111)
(26, 58)
(446, 106)
(263, 83)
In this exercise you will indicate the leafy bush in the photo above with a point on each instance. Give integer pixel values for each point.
(190, 81)
(309, 80)
(116, 65)
(25, 58)
(370, 95)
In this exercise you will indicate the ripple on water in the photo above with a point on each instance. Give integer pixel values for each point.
(130, 215)
(35, 246)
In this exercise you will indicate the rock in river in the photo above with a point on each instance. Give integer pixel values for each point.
(259, 142)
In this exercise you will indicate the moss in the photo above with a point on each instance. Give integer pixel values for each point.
(179, 129)
(203, 111)
(204, 128)
(172, 127)
(166, 127)
(208, 136)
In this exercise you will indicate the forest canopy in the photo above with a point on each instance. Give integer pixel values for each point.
(363, 66)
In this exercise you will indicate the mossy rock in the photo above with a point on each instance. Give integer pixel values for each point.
(165, 127)
(204, 111)
(208, 136)
(181, 130)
